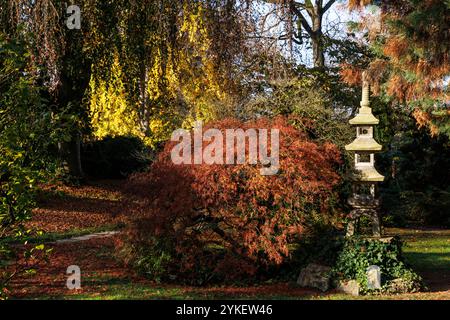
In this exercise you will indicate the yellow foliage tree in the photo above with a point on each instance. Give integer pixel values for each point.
(110, 113)
(183, 84)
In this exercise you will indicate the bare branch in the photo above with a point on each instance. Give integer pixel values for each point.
(300, 16)
(328, 6)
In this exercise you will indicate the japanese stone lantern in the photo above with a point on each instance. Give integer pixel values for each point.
(365, 178)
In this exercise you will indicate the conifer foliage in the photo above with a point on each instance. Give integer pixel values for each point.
(412, 63)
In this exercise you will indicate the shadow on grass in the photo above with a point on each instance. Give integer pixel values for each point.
(427, 261)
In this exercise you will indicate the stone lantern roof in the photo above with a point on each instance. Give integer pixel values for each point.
(368, 174)
(364, 144)
(364, 117)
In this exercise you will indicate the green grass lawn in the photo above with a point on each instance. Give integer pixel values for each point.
(427, 250)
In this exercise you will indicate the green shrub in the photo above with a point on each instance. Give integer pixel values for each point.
(308, 108)
(321, 247)
(27, 130)
(153, 259)
(358, 254)
(115, 157)
(416, 191)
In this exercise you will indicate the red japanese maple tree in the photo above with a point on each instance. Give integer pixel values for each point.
(228, 220)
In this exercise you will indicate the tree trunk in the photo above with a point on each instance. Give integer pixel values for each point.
(318, 54)
(74, 81)
(317, 39)
(144, 112)
(314, 30)
(71, 153)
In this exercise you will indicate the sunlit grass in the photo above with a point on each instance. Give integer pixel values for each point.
(426, 249)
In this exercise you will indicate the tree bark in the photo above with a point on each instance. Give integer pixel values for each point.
(317, 39)
(70, 96)
(74, 157)
(314, 31)
(70, 152)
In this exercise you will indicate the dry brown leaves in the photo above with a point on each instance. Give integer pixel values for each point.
(62, 208)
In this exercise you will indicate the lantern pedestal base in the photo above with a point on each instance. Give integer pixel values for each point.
(372, 214)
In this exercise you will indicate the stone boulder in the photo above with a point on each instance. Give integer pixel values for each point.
(315, 276)
(349, 287)
(400, 286)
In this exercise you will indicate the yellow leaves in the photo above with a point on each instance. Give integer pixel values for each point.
(193, 25)
(111, 113)
(154, 76)
(176, 81)
(195, 79)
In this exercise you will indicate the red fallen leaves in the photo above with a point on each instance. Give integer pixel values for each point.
(95, 259)
(77, 207)
(250, 217)
(100, 271)
(101, 274)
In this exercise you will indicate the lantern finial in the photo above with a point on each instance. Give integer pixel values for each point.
(365, 102)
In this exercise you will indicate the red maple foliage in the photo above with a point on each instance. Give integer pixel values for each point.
(228, 221)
